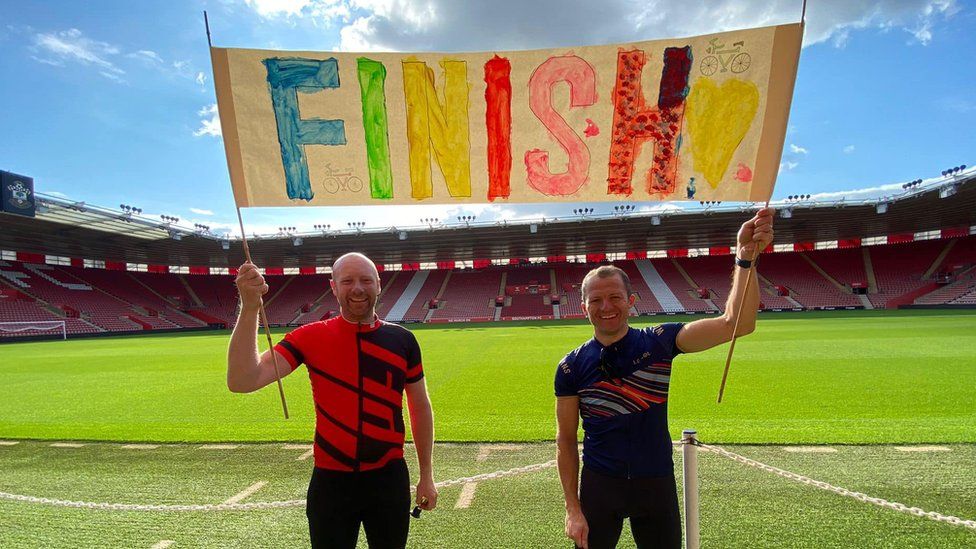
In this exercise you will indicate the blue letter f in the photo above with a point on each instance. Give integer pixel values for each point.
(286, 77)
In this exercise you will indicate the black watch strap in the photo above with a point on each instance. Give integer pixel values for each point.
(744, 263)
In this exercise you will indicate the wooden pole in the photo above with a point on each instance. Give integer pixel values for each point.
(728, 359)
(738, 315)
(206, 23)
(264, 321)
(247, 255)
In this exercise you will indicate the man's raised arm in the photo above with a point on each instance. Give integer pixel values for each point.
(754, 236)
(246, 371)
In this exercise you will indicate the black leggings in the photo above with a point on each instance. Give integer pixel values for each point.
(650, 503)
(339, 502)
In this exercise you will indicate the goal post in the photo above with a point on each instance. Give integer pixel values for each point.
(33, 328)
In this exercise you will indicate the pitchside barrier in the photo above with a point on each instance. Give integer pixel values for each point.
(689, 444)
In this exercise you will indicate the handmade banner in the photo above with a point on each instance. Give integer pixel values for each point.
(700, 118)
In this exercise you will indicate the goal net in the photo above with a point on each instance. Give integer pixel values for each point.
(34, 328)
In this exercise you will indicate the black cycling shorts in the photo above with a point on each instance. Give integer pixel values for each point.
(650, 503)
(338, 502)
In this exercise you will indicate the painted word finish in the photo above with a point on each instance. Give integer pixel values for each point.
(438, 128)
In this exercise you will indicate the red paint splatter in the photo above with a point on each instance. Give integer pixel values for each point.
(498, 123)
(743, 173)
(591, 129)
(634, 122)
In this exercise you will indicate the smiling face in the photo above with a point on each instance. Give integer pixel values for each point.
(607, 304)
(356, 283)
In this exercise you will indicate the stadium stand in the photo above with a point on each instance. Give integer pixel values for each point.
(568, 279)
(927, 261)
(218, 295)
(470, 296)
(524, 307)
(392, 285)
(679, 286)
(418, 309)
(899, 268)
(97, 300)
(73, 299)
(805, 283)
(147, 305)
(294, 297)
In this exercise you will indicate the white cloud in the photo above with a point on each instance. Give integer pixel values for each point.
(797, 150)
(200, 211)
(849, 149)
(870, 192)
(71, 45)
(112, 76)
(209, 122)
(958, 104)
(787, 166)
(201, 79)
(146, 55)
(464, 25)
(272, 8)
(51, 62)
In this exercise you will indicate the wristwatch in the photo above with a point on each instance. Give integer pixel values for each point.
(744, 263)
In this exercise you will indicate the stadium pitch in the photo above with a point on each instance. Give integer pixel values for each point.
(862, 383)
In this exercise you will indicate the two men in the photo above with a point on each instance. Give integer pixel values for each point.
(618, 383)
(359, 367)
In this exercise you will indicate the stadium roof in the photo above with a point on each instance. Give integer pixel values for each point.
(69, 229)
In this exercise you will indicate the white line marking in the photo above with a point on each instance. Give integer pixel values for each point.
(467, 495)
(486, 449)
(220, 446)
(66, 445)
(923, 448)
(305, 456)
(140, 446)
(295, 503)
(9, 442)
(296, 446)
(163, 544)
(247, 491)
(810, 449)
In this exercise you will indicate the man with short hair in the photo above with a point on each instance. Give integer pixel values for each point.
(359, 367)
(618, 383)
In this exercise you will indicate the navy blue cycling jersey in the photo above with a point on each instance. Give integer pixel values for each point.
(623, 400)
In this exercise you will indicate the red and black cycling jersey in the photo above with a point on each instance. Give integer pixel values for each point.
(358, 372)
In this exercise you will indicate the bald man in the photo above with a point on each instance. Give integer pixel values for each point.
(359, 367)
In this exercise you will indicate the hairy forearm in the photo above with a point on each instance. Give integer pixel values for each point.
(422, 427)
(567, 461)
(242, 355)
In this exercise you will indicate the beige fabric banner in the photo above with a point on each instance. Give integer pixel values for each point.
(699, 118)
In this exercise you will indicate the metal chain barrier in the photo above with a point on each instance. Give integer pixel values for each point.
(256, 505)
(881, 502)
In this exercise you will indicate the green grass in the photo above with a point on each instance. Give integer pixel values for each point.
(845, 377)
(848, 378)
(740, 506)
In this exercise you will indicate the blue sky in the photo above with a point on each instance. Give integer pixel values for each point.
(112, 102)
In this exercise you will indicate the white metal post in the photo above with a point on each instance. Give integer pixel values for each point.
(689, 459)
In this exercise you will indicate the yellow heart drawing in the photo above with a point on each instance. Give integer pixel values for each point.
(718, 119)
